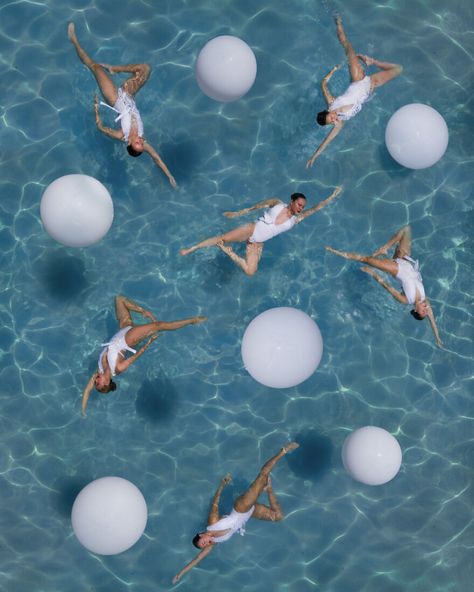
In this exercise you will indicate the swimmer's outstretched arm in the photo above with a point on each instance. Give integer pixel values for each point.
(324, 85)
(148, 148)
(434, 326)
(397, 295)
(320, 205)
(111, 133)
(214, 515)
(266, 203)
(329, 138)
(86, 393)
(199, 557)
(123, 365)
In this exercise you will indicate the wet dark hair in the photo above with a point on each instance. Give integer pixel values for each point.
(295, 196)
(107, 389)
(133, 152)
(416, 315)
(196, 540)
(321, 117)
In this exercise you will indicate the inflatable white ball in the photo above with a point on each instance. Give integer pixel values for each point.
(282, 347)
(109, 515)
(76, 210)
(226, 68)
(416, 136)
(371, 455)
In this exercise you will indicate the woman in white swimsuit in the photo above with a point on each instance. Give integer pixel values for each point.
(112, 359)
(279, 218)
(221, 528)
(122, 101)
(404, 269)
(348, 104)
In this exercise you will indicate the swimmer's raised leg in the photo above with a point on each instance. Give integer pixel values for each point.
(387, 265)
(356, 70)
(402, 238)
(273, 511)
(250, 497)
(107, 87)
(237, 235)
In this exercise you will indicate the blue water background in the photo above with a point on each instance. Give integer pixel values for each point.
(187, 412)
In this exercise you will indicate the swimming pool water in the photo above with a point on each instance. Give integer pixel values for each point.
(188, 413)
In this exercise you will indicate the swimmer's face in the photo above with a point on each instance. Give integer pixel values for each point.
(102, 383)
(205, 539)
(297, 206)
(331, 118)
(137, 144)
(422, 308)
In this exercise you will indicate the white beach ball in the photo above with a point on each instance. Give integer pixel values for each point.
(226, 68)
(282, 347)
(76, 210)
(109, 515)
(416, 136)
(371, 455)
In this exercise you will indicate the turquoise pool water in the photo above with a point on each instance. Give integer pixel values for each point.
(188, 413)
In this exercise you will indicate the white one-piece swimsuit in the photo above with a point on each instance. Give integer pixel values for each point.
(266, 227)
(356, 95)
(235, 521)
(114, 348)
(127, 111)
(410, 279)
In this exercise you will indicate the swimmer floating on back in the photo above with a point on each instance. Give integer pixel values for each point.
(279, 218)
(348, 104)
(112, 360)
(221, 528)
(122, 101)
(404, 269)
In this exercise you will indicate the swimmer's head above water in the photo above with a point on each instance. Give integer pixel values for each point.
(420, 311)
(136, 147)
(327, 117)
(297, 203)
(104, 385)
(202, 540)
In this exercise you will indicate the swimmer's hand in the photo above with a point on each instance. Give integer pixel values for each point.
(310, 162)
(176, 579)
(198, 320)
(96, 104)
(172, 181)
(232, 214)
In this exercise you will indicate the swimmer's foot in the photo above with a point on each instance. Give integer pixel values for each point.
(289, 447)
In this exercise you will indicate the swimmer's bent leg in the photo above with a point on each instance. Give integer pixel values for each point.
(250, 497)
